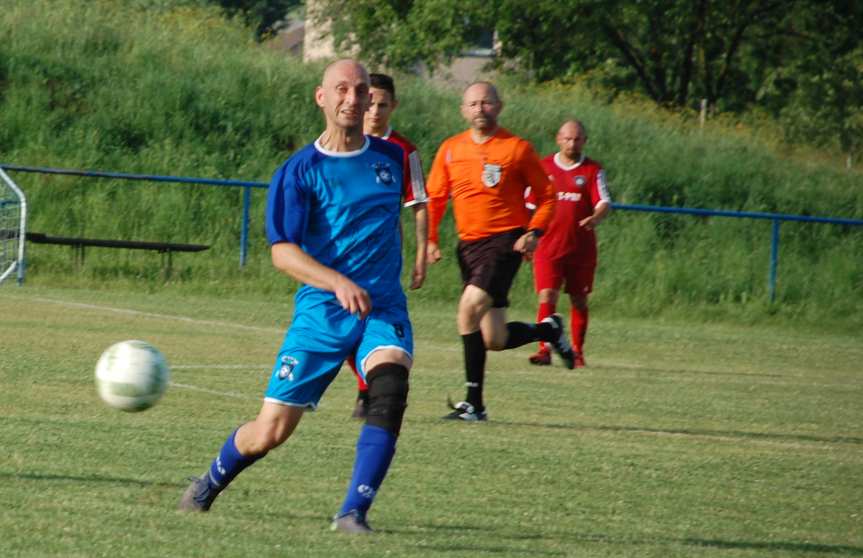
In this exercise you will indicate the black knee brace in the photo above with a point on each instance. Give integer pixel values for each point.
(388, 396)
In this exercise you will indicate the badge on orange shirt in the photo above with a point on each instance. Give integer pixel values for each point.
(490, 174)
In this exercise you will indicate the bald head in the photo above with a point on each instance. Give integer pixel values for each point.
(481, 106)
(346, 67)
(485, 88)
(573, 126)
(343, 95)
(571, 138)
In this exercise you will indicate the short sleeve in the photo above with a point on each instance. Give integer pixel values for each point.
(287, 206)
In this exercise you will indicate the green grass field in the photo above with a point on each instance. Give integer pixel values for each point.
(679, 439)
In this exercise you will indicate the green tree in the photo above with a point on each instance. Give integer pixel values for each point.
(816, 88)
(799, 60)
(674, 52)
(403, 34)
(264, 15)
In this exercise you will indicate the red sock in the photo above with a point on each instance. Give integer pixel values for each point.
(361, 384)
(578, 325)
(546, 309)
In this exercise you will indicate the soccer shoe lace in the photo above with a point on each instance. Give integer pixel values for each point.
(198, 497)
(464, 411)
(351, 522)
(561, 344)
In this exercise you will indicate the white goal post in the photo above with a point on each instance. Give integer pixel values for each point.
(13, 225)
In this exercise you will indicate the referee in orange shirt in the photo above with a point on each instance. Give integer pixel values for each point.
(485, 171)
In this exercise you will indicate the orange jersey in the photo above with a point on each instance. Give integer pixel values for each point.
(487, 182)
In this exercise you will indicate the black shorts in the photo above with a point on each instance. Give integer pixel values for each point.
(491, 264)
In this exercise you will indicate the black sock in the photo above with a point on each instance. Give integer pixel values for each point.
(522, 333)
(474, 367)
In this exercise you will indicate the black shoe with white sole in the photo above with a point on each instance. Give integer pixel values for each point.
(561, 344)
(465, 411)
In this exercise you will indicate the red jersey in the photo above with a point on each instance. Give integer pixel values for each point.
(579, 188)
(415, 187)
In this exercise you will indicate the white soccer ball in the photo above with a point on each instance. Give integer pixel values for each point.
(132, 375)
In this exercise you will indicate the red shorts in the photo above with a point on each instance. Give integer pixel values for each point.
(569, 270)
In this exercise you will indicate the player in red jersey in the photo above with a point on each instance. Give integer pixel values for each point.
(377, 123)
(566, 255)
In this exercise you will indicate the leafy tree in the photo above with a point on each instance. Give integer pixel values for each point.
(675, 52)
(672, 51)
(816, 89)
(403, 34)
(264, 15)
(799, 60)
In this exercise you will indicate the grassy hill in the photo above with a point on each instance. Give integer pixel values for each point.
(125, 86)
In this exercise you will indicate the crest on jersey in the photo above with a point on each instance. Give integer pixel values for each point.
(383, 174)
(491, 174)
(287, 369)
(580, 181)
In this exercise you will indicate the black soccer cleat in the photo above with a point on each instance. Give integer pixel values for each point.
(561, 344)
(352, 522)
(198, 497)
(464, 411)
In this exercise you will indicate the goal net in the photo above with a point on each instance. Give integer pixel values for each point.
(13, 220)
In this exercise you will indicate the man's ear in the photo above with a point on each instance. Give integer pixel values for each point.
(319, 96)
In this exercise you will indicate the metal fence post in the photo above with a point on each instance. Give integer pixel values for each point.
(244, 228)
(774, 259)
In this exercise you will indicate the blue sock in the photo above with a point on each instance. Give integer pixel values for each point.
(375, 449)
(228, 464)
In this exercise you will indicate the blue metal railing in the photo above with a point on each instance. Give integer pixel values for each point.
(777, 218)
(247, 186)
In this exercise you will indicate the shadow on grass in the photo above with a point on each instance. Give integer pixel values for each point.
(482, 534)
(674, 431)
(679, 371)
(461, 549)
(781, 548)
(778, 546)
(88, 478)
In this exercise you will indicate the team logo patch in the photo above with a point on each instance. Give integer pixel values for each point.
(366, 491)
(491, 174)
(383, 174)
(580, 181)
(287, 369)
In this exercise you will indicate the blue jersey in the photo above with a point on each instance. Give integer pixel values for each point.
(343, 210)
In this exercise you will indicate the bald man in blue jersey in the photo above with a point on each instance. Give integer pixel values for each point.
(332, 221)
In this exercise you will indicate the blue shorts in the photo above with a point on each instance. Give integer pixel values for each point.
(322, 335)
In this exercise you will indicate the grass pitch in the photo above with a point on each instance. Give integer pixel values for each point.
(679, 439)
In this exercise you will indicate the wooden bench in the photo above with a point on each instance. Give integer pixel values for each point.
(79, 244)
